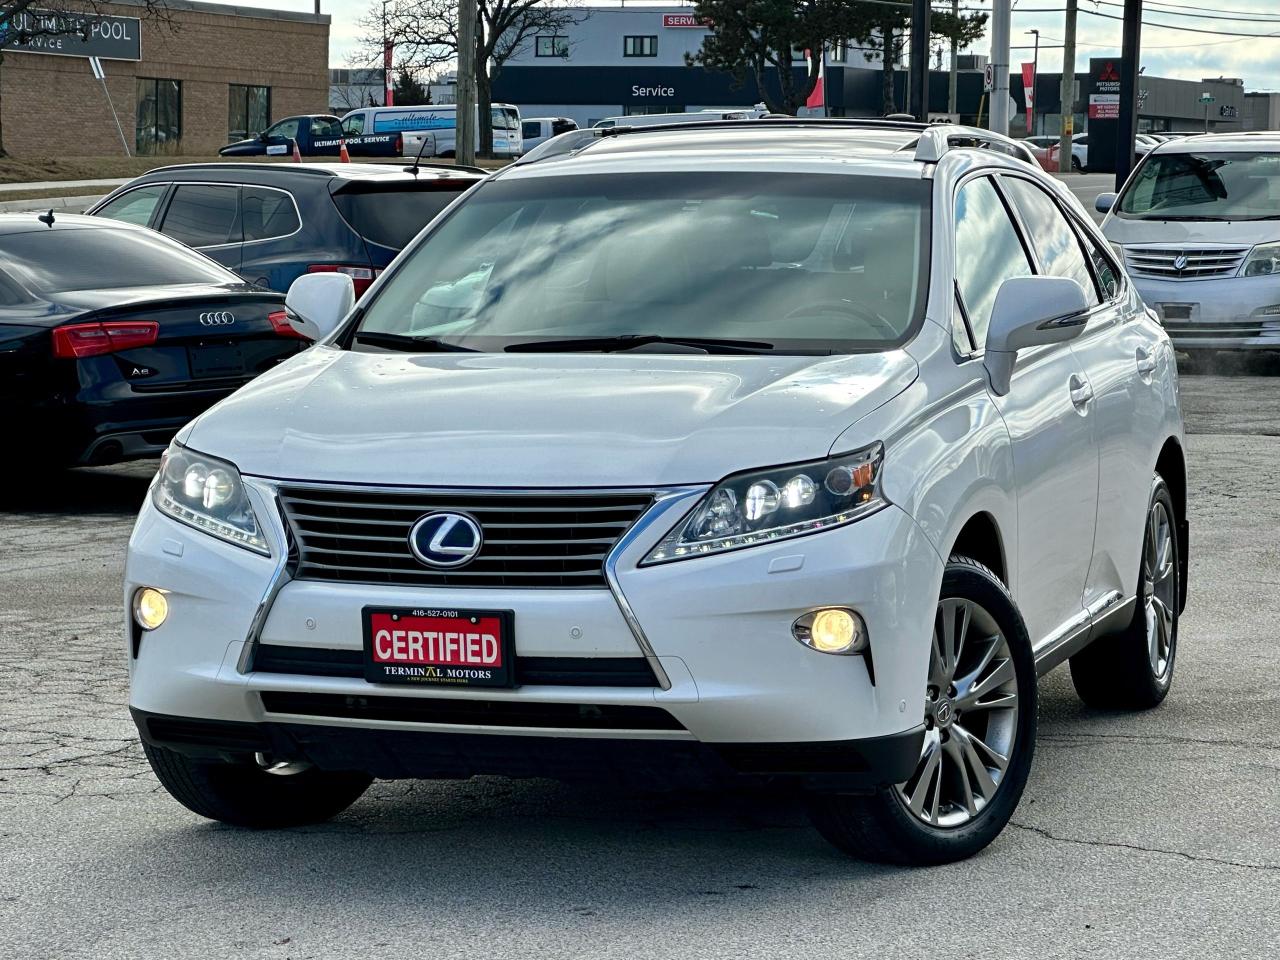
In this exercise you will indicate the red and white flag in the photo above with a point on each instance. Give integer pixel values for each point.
(818, 98)
(1029, 90)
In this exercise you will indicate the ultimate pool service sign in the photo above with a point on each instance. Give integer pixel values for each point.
(73, 35)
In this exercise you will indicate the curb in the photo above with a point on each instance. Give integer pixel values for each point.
(65, 204)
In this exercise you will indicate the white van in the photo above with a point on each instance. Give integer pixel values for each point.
(534, 130)
(435, 124)
(699, 116)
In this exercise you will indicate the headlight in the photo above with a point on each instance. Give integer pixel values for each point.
(207, 494)
(1264, 261)
(767, 505)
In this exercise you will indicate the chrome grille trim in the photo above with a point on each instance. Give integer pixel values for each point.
(533, 539)
(1203, 262)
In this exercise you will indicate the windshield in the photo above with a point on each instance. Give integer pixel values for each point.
(1205, 186)
(803, 262)
(59, 261)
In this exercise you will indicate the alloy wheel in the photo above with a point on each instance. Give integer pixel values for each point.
(1158, 588)
(971, 718)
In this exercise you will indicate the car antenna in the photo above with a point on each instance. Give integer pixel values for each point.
(418, 159)
(46, 218)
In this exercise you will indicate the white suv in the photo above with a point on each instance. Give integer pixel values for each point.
(781, 450)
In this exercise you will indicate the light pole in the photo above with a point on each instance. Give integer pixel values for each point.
(387, 95)
(1001, 14)
(1031, 100)
(1067, 93)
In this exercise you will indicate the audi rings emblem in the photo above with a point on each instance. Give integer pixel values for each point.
(217, 318)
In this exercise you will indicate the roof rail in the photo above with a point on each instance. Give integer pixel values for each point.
(935, 139)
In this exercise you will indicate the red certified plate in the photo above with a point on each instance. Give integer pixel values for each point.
(454, 648)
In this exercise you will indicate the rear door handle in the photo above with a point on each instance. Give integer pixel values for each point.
(1146, 362)
(1081, 391)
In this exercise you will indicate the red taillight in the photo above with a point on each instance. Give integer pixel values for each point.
(76, 341)
(361, 277)
(399, 144)
(281, 325)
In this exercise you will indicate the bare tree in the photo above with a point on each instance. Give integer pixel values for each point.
(22, 21)
(425, 34)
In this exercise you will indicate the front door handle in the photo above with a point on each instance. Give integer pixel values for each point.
(1081, 391)
(1146, 362)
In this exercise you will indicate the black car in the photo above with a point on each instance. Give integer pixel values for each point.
(112, 337)
(273, 222)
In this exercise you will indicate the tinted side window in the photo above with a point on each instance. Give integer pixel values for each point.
(285, 128)
(988, 252)
(353, 126)
(1055, 240)
(202, 215)
(268, 213)
(1105, 271)
(322, 127)
(530, 129)
(136, 206)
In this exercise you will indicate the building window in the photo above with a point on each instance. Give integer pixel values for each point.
(248, 111)
(639, 46)
(159, 126)
(551, 46)
(840, 51)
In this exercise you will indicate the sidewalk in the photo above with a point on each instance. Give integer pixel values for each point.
(59, 184)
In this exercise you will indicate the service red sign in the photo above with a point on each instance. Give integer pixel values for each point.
(682, 20)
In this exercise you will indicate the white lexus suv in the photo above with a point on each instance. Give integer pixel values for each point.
(777, 450)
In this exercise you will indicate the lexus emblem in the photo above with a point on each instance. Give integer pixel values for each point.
(1180, 262)
(217, 318)
(445, 540)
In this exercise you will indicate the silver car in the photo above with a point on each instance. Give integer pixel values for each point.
(1198, 225)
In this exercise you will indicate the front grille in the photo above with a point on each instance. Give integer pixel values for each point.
(530, 671)
(1205, 331)
(530, 539)
(483, 713)
(1202, 263)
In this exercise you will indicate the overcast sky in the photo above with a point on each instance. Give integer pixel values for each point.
(1191, 52)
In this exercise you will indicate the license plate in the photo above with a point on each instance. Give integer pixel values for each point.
(1176, 311)
(216, 360)
(439, 647)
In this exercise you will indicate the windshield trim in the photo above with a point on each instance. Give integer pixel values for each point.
(344, 337)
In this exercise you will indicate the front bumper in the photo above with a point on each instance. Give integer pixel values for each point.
(717, 629)
(1229, 313)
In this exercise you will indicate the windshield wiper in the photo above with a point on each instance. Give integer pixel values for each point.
(410, 344)
(630, 341)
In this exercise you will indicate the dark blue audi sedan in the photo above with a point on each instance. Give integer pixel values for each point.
(112, 337)
(273, 222)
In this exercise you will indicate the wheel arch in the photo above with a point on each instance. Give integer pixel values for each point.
(1171, 464)
(980, 539)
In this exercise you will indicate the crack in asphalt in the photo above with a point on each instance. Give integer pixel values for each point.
(1164, 851)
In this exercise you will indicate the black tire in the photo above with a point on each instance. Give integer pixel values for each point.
(245, 795)
(880, 827)
(1118, 672)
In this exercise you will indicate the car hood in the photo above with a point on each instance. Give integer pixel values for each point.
(1123, 231)
(544, 420)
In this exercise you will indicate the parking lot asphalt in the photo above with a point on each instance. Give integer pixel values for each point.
(1147, 835)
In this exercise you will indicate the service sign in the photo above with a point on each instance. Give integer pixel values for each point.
(683, 20)
(73, 35)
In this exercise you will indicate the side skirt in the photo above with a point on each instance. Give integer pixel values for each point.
(1106, 616)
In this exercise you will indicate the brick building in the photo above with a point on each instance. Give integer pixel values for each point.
(213, 74)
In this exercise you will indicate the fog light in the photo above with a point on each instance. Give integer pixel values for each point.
(834, 630)
(149, 608)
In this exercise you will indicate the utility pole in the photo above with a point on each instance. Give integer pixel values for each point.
(1068, 92)
(953, 82)
(465, 131)
(1001, 15)
(919, 60)
(1130, 51)
(388, 85)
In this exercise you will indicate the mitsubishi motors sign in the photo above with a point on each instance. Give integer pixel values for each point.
(686, 20)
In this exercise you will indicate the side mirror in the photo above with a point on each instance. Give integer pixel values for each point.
(1030, 312)
(1104, 202)
(317, 302)
(264, 136)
